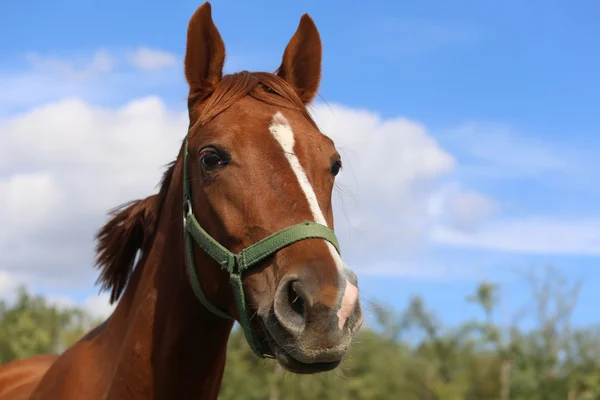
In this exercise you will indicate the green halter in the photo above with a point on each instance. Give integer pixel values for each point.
(236, 264)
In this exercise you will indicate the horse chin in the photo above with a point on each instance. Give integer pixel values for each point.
(291, 364)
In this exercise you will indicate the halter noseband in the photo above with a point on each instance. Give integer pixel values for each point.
(236, 264)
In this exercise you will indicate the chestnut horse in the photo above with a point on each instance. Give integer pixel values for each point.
(240, 230)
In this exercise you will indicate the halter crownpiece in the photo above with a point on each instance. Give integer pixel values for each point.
(237, 264)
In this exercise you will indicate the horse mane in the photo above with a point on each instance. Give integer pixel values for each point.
(134, 223)
(131, 226)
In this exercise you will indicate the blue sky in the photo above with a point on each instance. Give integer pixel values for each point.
(509, 89)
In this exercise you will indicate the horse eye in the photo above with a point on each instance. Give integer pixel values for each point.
(212, 159)
(336, 167)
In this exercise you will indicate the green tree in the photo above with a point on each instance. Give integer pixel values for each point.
(32, 326)
(407, 353)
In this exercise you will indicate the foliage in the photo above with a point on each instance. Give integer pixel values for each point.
(407, 354)
(33, 326)
(478, 360)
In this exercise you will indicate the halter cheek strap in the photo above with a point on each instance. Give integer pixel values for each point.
(237, 264)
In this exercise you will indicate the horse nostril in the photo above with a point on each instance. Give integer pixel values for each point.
(296, 299)
(292, 305)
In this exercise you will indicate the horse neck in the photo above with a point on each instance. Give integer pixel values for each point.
(168, 344)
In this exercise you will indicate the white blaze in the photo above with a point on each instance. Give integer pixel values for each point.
(283, 133)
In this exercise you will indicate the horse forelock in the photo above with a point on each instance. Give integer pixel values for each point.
(233, 87)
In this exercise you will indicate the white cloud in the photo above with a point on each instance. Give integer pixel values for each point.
(59, 301)
(460, 209)
(43, 79)
(497, 155)
(98, 306)
(102, 77)
(545, 235)
(22, 203)
(79, 68)
(498, 152)
(466, 210)
(65, 164)
(7, 283)
(393, 170)
(150, 59)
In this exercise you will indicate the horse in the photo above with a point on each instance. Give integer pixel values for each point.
(241, 229)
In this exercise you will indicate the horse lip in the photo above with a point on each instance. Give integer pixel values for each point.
(291, 363)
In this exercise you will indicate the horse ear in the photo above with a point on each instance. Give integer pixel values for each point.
(204, 54)
(301, 64)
